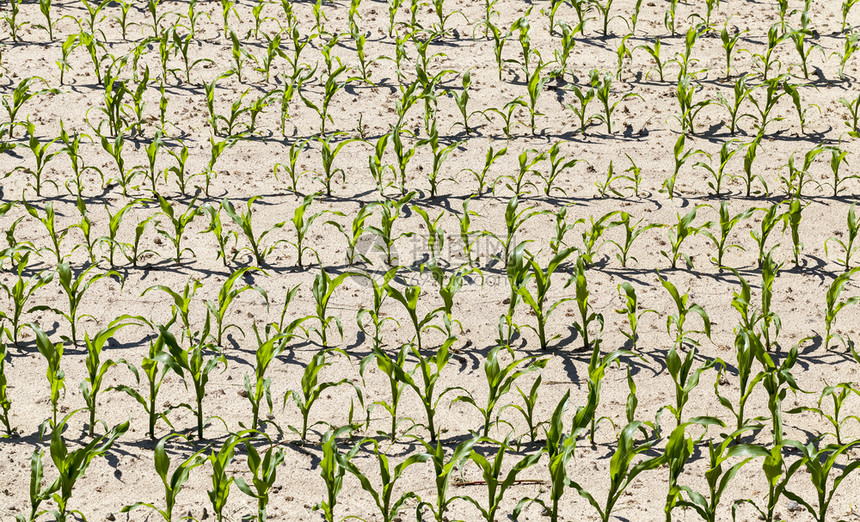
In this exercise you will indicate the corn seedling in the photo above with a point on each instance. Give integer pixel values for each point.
(747, 346)
(792, 220)
(769, 221)
(96, 368)
(679, 449)
(174, 484)
(631, 232)
(396, 383)
(631, 311)
(323, 288)
(20, 95)
(5, 401)
(847, 246)
(718, 174)
(749, 158)
(684, 376)
(499, 380)
(602, 92)
(71, 465)
(114, 222)
(819, 462)
(312, 389)
(682, 230)
(834, 305)
(491, 472)
(20, 292)
(538, 301)
(328, 155)
(220, 460)
(75, 287)
(726, 224)
(440, 154)
(191, 365)
(443, 470)
(741, 92)
(389, 213)
(53, 354)
(684, 307)
(587, 315)
(681, 157)
(481, 178)
(226, 294)
(177, 225)
(621, 472)
(409, 299)
(154, 378)
(264, 471)
(777, 381)
(296, 148)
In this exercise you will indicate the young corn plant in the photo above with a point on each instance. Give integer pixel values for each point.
(777, 473)
(518, 276)
(71, 465)
(622, 471)
(409, 299)
(53, 354)
(42, 156)
(177, 225)
(20, 293)
(443, 470)
(631, 232)
(587, 315)
(499, 380)
(226, 295)
(602, 93)
(20, 95)
(679, 449)
(719, 478)
(769, 221)
(302, 226)
(592, 237)
(741, 93)
(244, 219)
(718, 174)
(726, 224)
(75, 287)
(390, 211)
(848, 247)
(50, 223)
(264, 470)
(685, 377)
(834, 305)
(154, 377)
(684, 307)
(491, 472)
(747, 346)
(220, 460)
(538, 301)
(312, 389)
(631, 311)
(837, 158)
(820, 462)
(5, 401)
(175, 482)
(680, 232)
(191, 365)
(323, 288)
(389, 365)
(96, 368)
(681, 157)
(388, 506)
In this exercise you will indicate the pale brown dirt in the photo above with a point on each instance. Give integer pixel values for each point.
(644, 129)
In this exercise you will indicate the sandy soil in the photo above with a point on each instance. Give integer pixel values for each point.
(645, 130)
